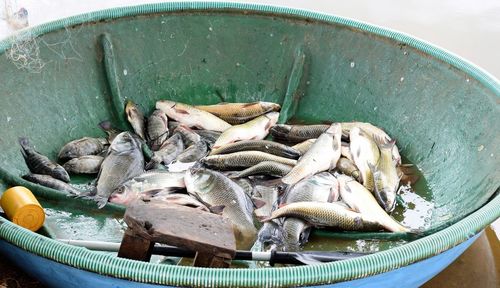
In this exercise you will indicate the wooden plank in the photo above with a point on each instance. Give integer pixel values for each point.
(210, 235)
(135, 247)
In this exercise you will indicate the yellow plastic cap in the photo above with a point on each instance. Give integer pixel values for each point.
(22, 208)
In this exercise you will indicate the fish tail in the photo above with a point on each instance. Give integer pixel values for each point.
(101, 201)
(384, 143)
(24, 142)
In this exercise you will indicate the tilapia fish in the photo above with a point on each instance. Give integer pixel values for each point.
(48, 181)
(322, 214)
(237, 113)
(123, 162)
(157, 129)
(89, 164)
(364, 152)
(362, 201)
(322, 155)
(385, 176)
(215, 189)
(136, 118)
(270, 168)
(191, 116)
(147, 185)
(82, 147)
(256, 129)
(243, 159)
(41, 164)
(270, 147)
(167, 153)
(188, 136)
(297, 133)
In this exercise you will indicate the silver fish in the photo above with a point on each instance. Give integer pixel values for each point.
(266, 146)
(321, 187)
(147, 184)
(364, 153)
(385, 176)
(167, 153)
(215, 189)
(270, 168)
(243, 159)
(362, 201)
(123, 162)
(322, 155)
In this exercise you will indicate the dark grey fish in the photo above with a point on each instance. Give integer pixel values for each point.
(243, 159)
(188, 136)
(41, 164)
(89, 164)
(194, 152)
(48, 181)
(209, 136)
(108, 128)
(157, 131)
(168, 151)
(347, 167)
(123, 162)
(82, 147)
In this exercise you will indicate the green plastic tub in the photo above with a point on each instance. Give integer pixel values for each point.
(60, 79)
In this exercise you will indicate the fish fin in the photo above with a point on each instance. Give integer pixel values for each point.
(249, 104)
(218, 209)
(258, 203)
(181, 111)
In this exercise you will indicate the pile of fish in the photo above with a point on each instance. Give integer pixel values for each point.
(215, 158)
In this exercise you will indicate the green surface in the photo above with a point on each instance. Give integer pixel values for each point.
(443, 111)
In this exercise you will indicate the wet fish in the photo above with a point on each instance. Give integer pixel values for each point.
(194, 152)
(347, 167)
(270, 147)
(322, 214)
(167, 153)
(41, 164)
(297, 133)
(322, 155)
(179, 199)
(270, 168)
(385, 176)
(108, 128)
(296, 234)
(188, 136)
(256, 129)
(89, 164)
(267, 196)
(362, 201)
(215, 189)
(243, 159)
(157, 131)
(136, 118)
(373, 131)
(123, 162)
(271, 234)
(82, 147)
(48, 181)
(364, 152)
(192, 117)
(345, 150)
(147, 185)
(247, 186)
(303, 146)
(321, 187)
(209, 136)
(238, 113)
